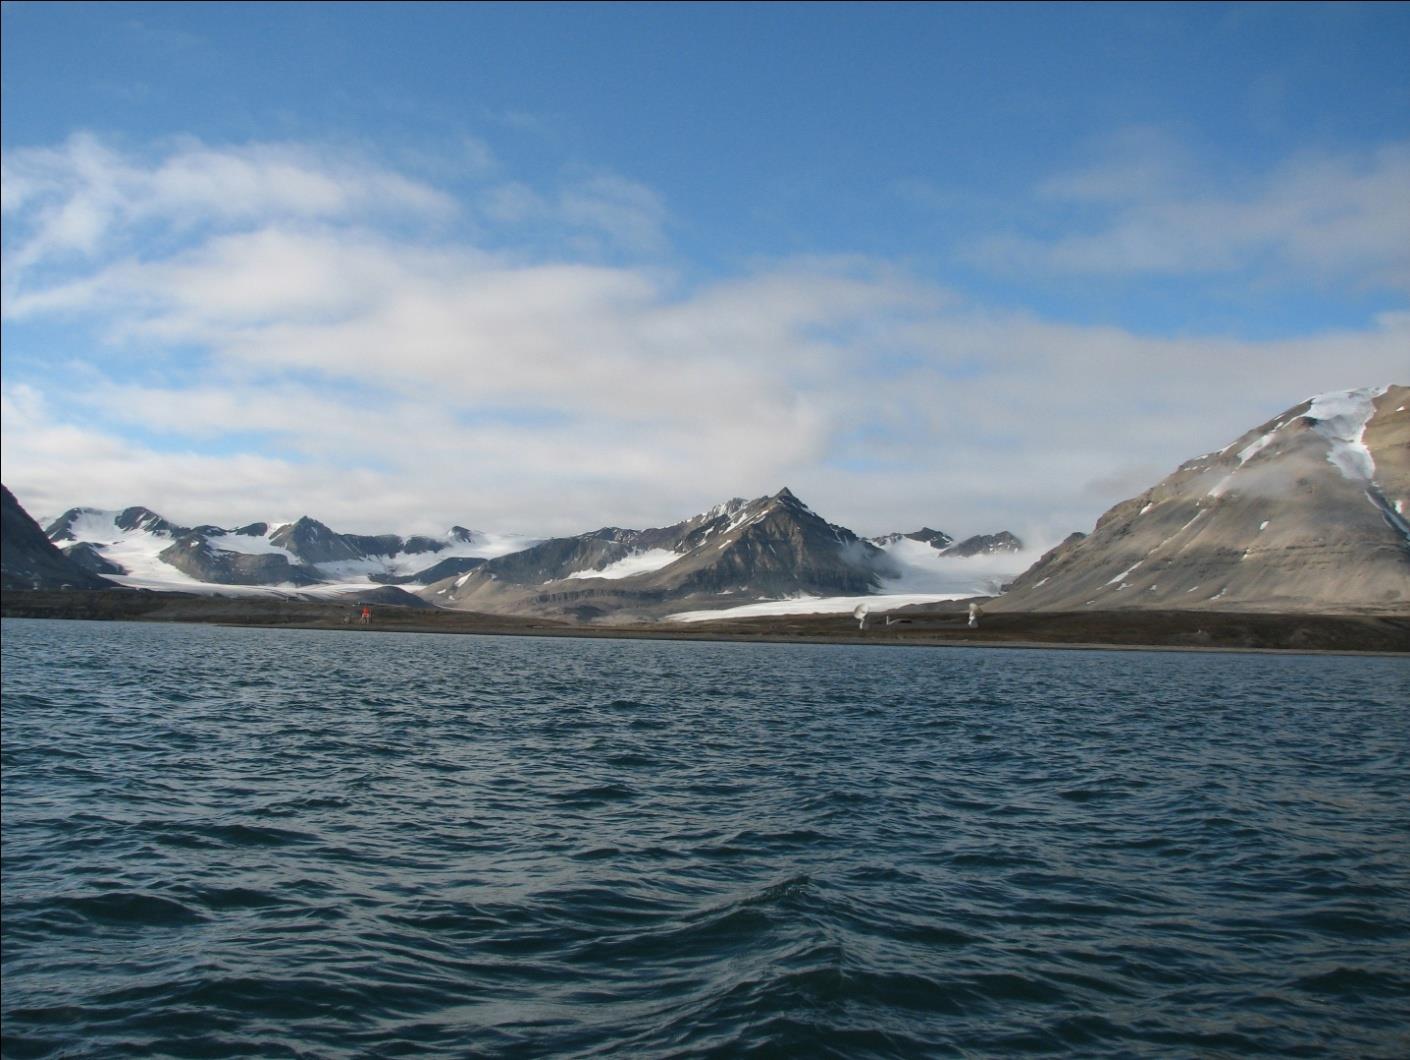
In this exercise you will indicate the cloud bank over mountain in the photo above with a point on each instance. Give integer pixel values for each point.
(271, 319)
(493, 263)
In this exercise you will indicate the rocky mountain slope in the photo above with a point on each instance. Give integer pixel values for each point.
(1306, 512)
(736, 552)
(29, 560)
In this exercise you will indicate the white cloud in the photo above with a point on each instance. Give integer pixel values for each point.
(84, 198)
(1135, 164)
(600, 211)
(332, 365)
(1330, 216)
(631, 214)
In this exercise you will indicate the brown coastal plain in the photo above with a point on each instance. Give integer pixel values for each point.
(944, 625)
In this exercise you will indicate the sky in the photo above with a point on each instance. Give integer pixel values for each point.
(542, 268)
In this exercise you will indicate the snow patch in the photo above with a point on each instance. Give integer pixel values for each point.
(1122, 576)
(817, 605)
(136, 551)
(249, 545)
(482, 546)
(923, 569)
(644, 562)
(1341, 417)
(1255, 447)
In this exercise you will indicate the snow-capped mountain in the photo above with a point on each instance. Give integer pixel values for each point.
(1306, 512)
(137, 547)
(771, 551)
(767, 547)
(943, 543)
(936, 539)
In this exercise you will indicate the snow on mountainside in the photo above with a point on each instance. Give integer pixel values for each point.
(773, 551)
(769, 547)
(1306, 512)
(140, 549)
(916, 573)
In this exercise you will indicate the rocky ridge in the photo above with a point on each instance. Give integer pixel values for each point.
(742, 550)
(31, 560)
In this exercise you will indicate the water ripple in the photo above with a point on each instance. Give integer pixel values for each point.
(283, 843)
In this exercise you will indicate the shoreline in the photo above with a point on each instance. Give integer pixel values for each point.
(637, 633)
(1189, 631)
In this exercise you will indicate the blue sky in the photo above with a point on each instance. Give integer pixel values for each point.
(546, 267)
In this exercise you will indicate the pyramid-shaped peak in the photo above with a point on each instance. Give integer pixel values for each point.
(787, 497)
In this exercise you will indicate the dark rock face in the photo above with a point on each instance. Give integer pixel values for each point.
(452, 567)
(1303, 513)
(978, 545)
(387, 594)
(777, 546)
(192, 554)
(139, 518)
(61, 529)
(936, 539)
(986, 545)
(29, 560)
(764, 548)
(560, 556)
(90, 559)
(314, 543)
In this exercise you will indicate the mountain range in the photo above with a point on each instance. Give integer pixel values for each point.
(138, 543)
(739, 552)
(1305, 512)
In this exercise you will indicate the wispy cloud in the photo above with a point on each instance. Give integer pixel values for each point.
(85, 199)
(367, 369)
(1145, 206)
(597, 211)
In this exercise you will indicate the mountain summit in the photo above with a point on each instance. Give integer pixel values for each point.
(743, 550)
(1306, 512)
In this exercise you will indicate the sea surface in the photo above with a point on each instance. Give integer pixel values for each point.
(239, 842)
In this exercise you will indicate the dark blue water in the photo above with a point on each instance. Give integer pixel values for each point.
(226, 842)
